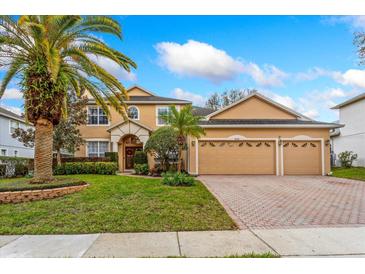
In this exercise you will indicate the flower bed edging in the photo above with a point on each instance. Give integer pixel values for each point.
(35, 195)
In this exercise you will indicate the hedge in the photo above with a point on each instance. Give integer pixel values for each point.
(107, 168)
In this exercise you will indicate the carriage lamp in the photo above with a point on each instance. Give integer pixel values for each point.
(327, 142)
(193, 143)
(180, 140)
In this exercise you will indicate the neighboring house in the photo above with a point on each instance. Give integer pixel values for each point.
(352, 136)
(252, 136)
(10, 146)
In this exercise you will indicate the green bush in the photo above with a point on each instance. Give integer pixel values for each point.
(107, 168)
(346, 158)
(21, 169)
(141, 169)
(112, 155)
(177, 179)
(140, 157)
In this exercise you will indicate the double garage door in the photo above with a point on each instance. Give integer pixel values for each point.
(259, 157)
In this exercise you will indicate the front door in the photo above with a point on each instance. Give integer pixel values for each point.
(129, 155)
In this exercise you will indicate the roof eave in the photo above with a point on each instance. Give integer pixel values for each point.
(274, 126)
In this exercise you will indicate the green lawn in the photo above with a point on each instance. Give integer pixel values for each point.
(356, 173)
(117, 204)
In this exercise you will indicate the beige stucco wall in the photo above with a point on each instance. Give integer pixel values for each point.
(254, 108)
(261, 133)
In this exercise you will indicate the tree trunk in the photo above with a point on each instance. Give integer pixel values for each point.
(180, 159)
(43, 151)
(59, 162)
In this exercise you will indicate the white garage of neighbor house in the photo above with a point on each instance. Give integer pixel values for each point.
(352, 136)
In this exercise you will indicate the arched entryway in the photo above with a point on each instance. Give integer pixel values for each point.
(128, 145)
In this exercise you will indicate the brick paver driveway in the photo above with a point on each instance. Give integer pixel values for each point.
(290, 201)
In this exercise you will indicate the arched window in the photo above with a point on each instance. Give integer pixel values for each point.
(133, 113)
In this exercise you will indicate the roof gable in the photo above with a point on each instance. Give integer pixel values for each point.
(350, 101)
(256, 106)
(138, 91)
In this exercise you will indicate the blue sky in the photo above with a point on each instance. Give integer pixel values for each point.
(308, 63)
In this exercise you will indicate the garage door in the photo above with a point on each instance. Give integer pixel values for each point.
(302, 158)
(235, 157)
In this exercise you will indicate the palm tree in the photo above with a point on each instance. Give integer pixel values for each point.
(53, 57)
(185, 124)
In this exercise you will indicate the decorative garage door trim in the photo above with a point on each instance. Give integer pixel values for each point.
(237, 138)
(301, 138)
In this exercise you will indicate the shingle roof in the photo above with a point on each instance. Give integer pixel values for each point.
(284, 122)
(199, 111)
(8, 113)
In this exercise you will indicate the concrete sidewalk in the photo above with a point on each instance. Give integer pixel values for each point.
(285, 242)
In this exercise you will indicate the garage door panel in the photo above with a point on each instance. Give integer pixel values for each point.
(302, 158)
(237, 157)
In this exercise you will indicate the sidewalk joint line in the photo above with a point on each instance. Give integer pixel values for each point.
(262, 240)
(178, 243)
(82, 255)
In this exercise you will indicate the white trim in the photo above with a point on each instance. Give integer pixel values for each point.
(14, 118)
(138, 112)
(196, 156)
(274, 126)
(259, 95)
(239, 138)
(303, 138)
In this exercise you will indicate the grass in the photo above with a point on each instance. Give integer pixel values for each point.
(356, 173)
(117, 204)
(22, 184)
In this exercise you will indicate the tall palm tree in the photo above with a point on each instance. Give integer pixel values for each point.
(185, 124)
(54, 56)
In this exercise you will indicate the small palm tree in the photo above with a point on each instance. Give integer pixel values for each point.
(53, 57)
(185, 123)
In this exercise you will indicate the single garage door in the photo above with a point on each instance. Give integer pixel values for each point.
(302, 158)
(236, 157)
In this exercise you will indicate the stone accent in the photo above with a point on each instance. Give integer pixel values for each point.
(34, 195)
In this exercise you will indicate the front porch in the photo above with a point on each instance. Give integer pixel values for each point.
(127, 138)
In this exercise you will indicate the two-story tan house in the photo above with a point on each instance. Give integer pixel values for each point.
(254, 135)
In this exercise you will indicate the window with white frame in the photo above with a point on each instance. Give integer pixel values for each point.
(3, 152)
(13, 126)
(97, 148)
(133, 113)
(160, 112)
(96, 116)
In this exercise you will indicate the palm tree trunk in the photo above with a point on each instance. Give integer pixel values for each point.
(180, 159)
(43, 151)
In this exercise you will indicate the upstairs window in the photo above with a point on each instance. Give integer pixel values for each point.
(13, 126)
(160, 112)
(96, 116)
(133, 113)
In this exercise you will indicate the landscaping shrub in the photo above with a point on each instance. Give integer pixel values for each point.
(140, 157)
(113, 156)
(141, 169)
(177, 179)
(13, 166)
(347, 158)
(107, 168)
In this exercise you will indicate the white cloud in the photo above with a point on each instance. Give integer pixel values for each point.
(114, 69)
(268, 76)
(197, 99)
(12, 93)
(197, 59)
(313, 74)
(356, 22)
(313, 104)
(352, 77)
(16, 110)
